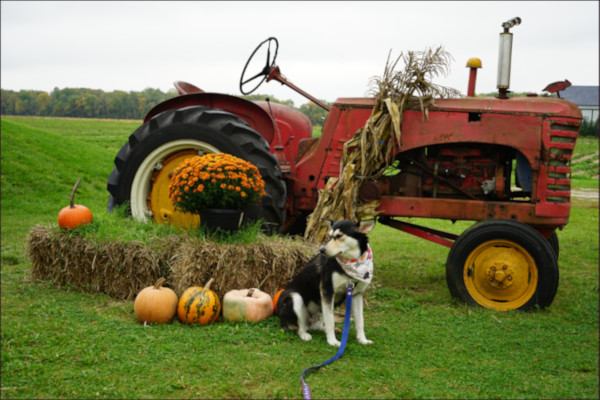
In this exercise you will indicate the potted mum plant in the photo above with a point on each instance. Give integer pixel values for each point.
(218, 187)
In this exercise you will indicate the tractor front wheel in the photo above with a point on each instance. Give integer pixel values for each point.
(142, 169)
(502, 265)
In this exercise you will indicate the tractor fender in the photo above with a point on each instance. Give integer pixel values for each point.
(257, 118)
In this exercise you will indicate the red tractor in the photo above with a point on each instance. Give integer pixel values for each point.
(503, 162)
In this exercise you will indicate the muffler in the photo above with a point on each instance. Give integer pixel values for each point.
(504, 58)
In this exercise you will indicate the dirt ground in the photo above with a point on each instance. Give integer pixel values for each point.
(587, 194)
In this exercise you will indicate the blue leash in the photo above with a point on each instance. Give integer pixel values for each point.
(305, 388)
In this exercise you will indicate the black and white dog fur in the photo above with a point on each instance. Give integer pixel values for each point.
(309, 299)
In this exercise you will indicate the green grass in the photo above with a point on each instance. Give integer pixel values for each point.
(585, 163)
(105, 133)
(112, 226)
(63, 343)
(317, 131)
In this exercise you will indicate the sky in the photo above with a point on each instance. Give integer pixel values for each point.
(329, 49)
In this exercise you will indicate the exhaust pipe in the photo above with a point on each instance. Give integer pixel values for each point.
(472, 64)
(504, 57)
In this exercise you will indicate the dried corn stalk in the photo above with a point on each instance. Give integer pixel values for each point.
(370, 151)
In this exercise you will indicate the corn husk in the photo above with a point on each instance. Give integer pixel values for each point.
(370, 151)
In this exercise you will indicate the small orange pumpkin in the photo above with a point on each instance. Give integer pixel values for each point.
(74, 215)
(155, 304)
(250, 305)
(199, 305)
(275, 298)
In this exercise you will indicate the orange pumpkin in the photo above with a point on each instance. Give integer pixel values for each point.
(155, 304)
(74, 215)
(275, 298)
(199, 305)
(250, 305)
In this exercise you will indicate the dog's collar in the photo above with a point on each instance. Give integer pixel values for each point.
(359, 268)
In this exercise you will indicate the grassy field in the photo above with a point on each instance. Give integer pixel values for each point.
(63, 343)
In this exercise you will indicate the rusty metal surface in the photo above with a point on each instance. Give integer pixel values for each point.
(186, 88)
(532, 126)
(549, 106)
(554, 183)
(275, 74)
(317, 166)
(293, 127)
(472, 82)
(473, 210)
(433, 235)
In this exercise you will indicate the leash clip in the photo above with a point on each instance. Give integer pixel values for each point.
(349, 288)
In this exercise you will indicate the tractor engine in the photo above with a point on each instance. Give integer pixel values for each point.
(474, 172)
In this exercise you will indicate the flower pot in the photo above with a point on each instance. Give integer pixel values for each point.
(224, 219)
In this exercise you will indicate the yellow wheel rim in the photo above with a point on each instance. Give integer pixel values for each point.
(501, 275)
(158, 200)
(150, 186)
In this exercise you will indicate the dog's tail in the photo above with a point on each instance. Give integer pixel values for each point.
(285, 311)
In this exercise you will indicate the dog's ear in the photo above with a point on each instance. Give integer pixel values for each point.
(366, 226)
(328, 221)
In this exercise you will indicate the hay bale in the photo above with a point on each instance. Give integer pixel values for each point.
(269, 264)
(121, 269)
(118, 269)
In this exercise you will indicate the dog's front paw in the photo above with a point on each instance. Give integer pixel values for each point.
(334, 342)
(305, 336)
(364, 340)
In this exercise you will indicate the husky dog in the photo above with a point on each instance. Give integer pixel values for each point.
(309, 299)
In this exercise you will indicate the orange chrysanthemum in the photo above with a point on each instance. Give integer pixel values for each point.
(215, 181)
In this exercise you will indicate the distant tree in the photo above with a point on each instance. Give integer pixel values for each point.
(43, 101)
(22, 103)
(589, 128)
(262, 97)
(315, 113)
(8, 98)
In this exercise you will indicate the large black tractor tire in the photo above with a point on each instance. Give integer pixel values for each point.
(502, 265)
(174, 135)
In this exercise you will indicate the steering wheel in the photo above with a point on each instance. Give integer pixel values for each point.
(271, 56)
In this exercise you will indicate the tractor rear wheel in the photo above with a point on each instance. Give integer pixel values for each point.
(502, 265)
(142, 166)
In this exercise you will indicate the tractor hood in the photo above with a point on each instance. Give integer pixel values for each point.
(548, 106)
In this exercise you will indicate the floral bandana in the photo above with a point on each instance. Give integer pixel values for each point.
(359, 268)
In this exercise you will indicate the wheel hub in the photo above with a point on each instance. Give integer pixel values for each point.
(500, 276)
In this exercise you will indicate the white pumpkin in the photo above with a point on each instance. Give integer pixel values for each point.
(250, 305)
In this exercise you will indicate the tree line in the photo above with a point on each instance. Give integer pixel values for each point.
(82, 103)
(93, 103)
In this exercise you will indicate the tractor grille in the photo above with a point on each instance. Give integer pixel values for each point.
(561, 144)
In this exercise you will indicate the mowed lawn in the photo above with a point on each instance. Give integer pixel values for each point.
(67, 343)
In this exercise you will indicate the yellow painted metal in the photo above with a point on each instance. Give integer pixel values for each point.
(501, 275)
(474, 63)
(158, 200)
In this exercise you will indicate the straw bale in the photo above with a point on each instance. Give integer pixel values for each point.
(121, 269)
(268, 264)
(118, 269)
